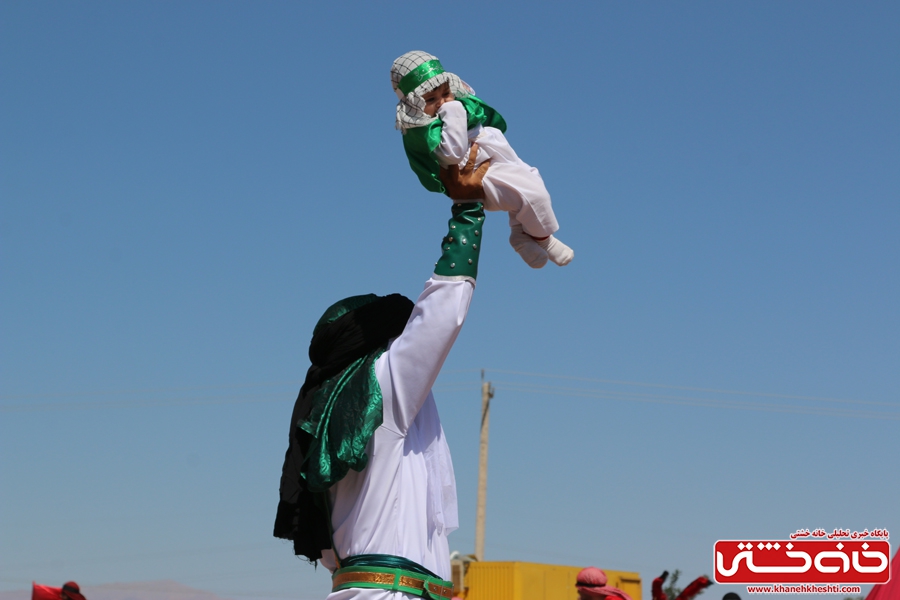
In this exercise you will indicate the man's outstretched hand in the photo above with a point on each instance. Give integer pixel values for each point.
(465, 183)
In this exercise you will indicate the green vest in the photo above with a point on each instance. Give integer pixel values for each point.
(421, 142)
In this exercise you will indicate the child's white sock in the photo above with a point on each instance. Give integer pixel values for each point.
(529, 249)
(557, 251)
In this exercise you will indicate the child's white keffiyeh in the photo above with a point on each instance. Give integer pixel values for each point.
(410, 109)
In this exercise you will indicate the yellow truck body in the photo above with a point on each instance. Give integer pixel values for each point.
(534, 581)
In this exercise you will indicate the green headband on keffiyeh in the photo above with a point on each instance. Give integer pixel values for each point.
(420, 75)
(414, 74)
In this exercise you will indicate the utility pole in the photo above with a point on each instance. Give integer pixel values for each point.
(487, 392)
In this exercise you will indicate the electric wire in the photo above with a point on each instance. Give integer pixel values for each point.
(800, 404)
(687, 388)
(690, 401)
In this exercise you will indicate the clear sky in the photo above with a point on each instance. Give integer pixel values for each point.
(186, 186)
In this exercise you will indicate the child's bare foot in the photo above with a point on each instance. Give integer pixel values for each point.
(558, 252)
(528, 248)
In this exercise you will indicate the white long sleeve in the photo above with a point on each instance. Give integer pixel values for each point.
(409, 368)
(454, 134)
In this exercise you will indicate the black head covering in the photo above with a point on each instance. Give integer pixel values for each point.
(349, 329)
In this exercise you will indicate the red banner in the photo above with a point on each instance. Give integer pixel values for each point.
(44, 592)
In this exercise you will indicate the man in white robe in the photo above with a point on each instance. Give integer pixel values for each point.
(388, 509)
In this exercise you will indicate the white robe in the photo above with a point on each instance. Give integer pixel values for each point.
(404, 501)
(510, 184)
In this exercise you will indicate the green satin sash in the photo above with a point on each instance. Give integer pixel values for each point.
(341, 431)
(386, 561)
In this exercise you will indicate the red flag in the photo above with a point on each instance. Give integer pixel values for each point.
(891, 589)
(44, 592)
(656, 590)
(694, 588)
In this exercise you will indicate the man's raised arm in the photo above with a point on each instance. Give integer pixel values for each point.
(412, 363)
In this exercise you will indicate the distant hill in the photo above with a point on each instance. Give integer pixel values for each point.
(144, 590)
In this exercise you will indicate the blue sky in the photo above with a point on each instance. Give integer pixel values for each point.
(186, 186)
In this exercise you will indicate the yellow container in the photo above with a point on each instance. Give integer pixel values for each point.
(534, 581)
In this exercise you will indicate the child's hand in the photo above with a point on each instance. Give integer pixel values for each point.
(465, 183)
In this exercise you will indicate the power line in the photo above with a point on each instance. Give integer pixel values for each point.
(690, 389)
(689, 401)
(141, 403)
(177, 402)
(169, 553)
(195, 388)
(458, 386)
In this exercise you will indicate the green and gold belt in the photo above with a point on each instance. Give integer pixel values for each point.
(396, 580)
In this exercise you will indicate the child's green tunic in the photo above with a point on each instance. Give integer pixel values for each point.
(421, 142)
